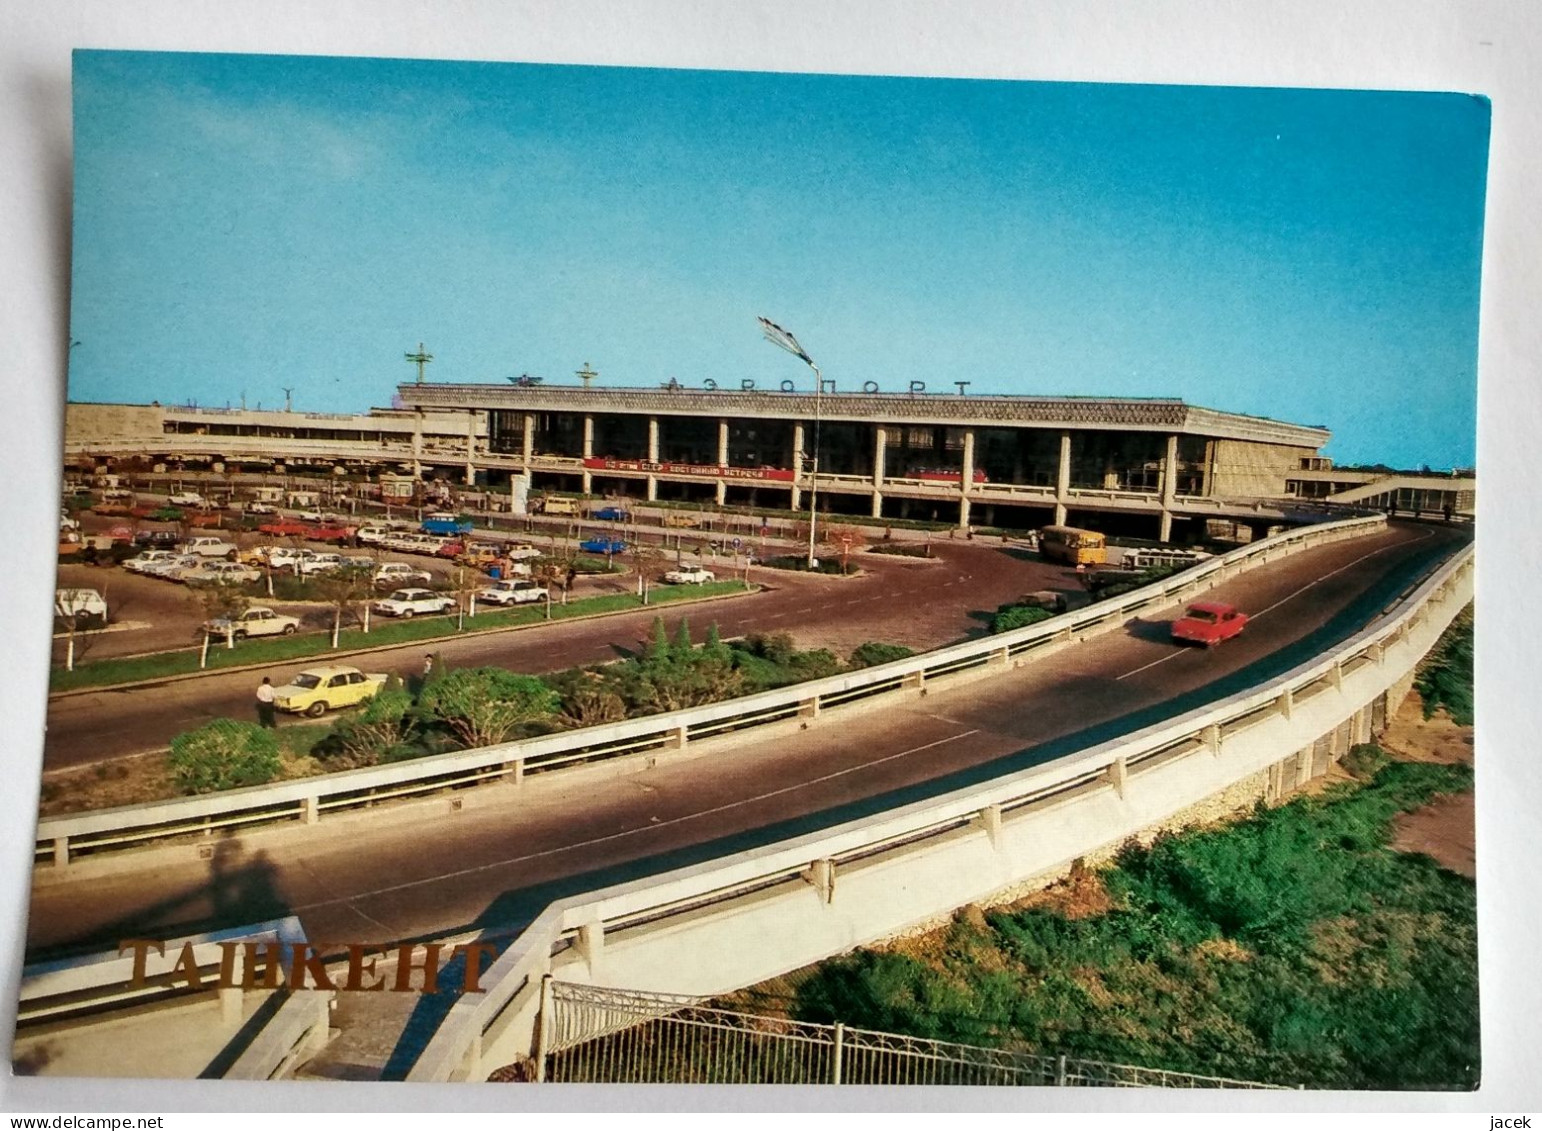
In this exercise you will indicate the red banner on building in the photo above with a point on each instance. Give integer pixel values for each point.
(601, 463)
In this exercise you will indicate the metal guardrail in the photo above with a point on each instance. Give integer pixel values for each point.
(308, 799)
(514, 979)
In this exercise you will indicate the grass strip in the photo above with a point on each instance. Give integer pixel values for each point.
(383, 634)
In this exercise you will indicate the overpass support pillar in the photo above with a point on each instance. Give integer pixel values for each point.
(1118, 772)
(1063, 478)
(990, 821)
(821, 874)
(591, 944)
(1212, 737)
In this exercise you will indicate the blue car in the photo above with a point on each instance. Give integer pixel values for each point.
(611, 514)
(602, 546)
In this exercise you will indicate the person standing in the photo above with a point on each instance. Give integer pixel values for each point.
(265, 711)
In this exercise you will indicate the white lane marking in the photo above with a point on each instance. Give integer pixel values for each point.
(1282, 600)
(654, 823)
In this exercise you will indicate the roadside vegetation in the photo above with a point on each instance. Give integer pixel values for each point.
(1444, 679)
(383, 633)
(463, 708)
(1294, 947)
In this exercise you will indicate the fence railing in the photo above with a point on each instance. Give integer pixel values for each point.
(608, 1036)
(513, 982)
(308, 800)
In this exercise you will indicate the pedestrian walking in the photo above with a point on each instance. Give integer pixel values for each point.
(428, 666)
(265, 712)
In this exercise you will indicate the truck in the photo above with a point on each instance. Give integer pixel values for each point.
(446, 525)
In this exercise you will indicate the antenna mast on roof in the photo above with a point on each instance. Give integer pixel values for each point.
(421, 359)
(586, 375)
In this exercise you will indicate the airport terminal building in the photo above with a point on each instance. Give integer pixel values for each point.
(1155, 467)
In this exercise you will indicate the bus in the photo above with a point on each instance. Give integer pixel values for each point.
(1073, 546)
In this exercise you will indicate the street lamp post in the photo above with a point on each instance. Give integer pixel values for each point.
(784, 340)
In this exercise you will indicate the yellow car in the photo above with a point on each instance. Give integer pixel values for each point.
(316, 691)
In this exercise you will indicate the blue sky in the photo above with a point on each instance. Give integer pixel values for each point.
(247, 223)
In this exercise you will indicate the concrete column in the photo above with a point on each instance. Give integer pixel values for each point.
(1063, 479)
(966, 483)
(797, 453)
(795, 498)
(880, 445)
(591, 944)
(963, 512)
(822, 876)
(990, 821)
(471, 447)
(877, 511)
(1118, 771)
(722, 443)
(529, 438)
(653, 440)
(417, 443)
(1169, 488)
(588, 448)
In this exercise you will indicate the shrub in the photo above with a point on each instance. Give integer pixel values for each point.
(903, 549)
(1445, 679)
(224, 754)
(371, 735)
(874, 652)
(776, 647)
(1018, 616)
(485, 706)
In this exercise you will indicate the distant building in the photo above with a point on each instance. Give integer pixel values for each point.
(1156, 467)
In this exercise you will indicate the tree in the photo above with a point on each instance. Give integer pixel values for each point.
(370, 735)
(464, 583)
(549, 571)
(649, 561)
(343, 589)
(485, 706)
(220, 600)
(224, 754)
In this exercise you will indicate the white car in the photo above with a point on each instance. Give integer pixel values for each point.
(401, 573)
(511, 592)
(83, 606)
(143, 561)
(261, 508)
(312, 562)
(211, 547)
(220, 573)
(371, 535)
(521, 552)
(693, 576)
(407, 603)
(174, 569)
(309, 516)
(185, 499)
(256, 621)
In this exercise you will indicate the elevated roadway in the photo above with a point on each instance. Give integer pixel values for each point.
(495, 864)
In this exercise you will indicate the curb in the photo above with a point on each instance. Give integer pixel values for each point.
(161, 681)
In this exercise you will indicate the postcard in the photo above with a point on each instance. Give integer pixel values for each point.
(578, 574)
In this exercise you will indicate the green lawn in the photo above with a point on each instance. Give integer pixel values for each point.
(383, 633)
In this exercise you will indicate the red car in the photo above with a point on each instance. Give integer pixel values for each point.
(286, 528)
(330, 532)
(1208, 623)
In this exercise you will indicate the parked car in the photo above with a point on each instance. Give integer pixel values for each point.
(208, 546)
(681, 520)
(693, 576)
(520, 552)
(553, 505)
(220, 573)
(603, 546)
(86, 608)
(398, 574)
(407, 603)
(142, 562)
(612, 514)
(255, 621)
(285, 528)
(261, 508)
(316, 691)
(185, 499)
(312, 562)
(329, 532)
(511, 592)
(175, 568)
(371, 535)
(159, 539)
(311, 515)
(447, 524)
(1208, 623)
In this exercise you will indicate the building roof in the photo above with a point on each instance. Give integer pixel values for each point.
(1114, 413)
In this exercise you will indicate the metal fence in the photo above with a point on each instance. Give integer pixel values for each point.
(626, 1037)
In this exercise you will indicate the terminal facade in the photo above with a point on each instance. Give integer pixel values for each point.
(1150, 467)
